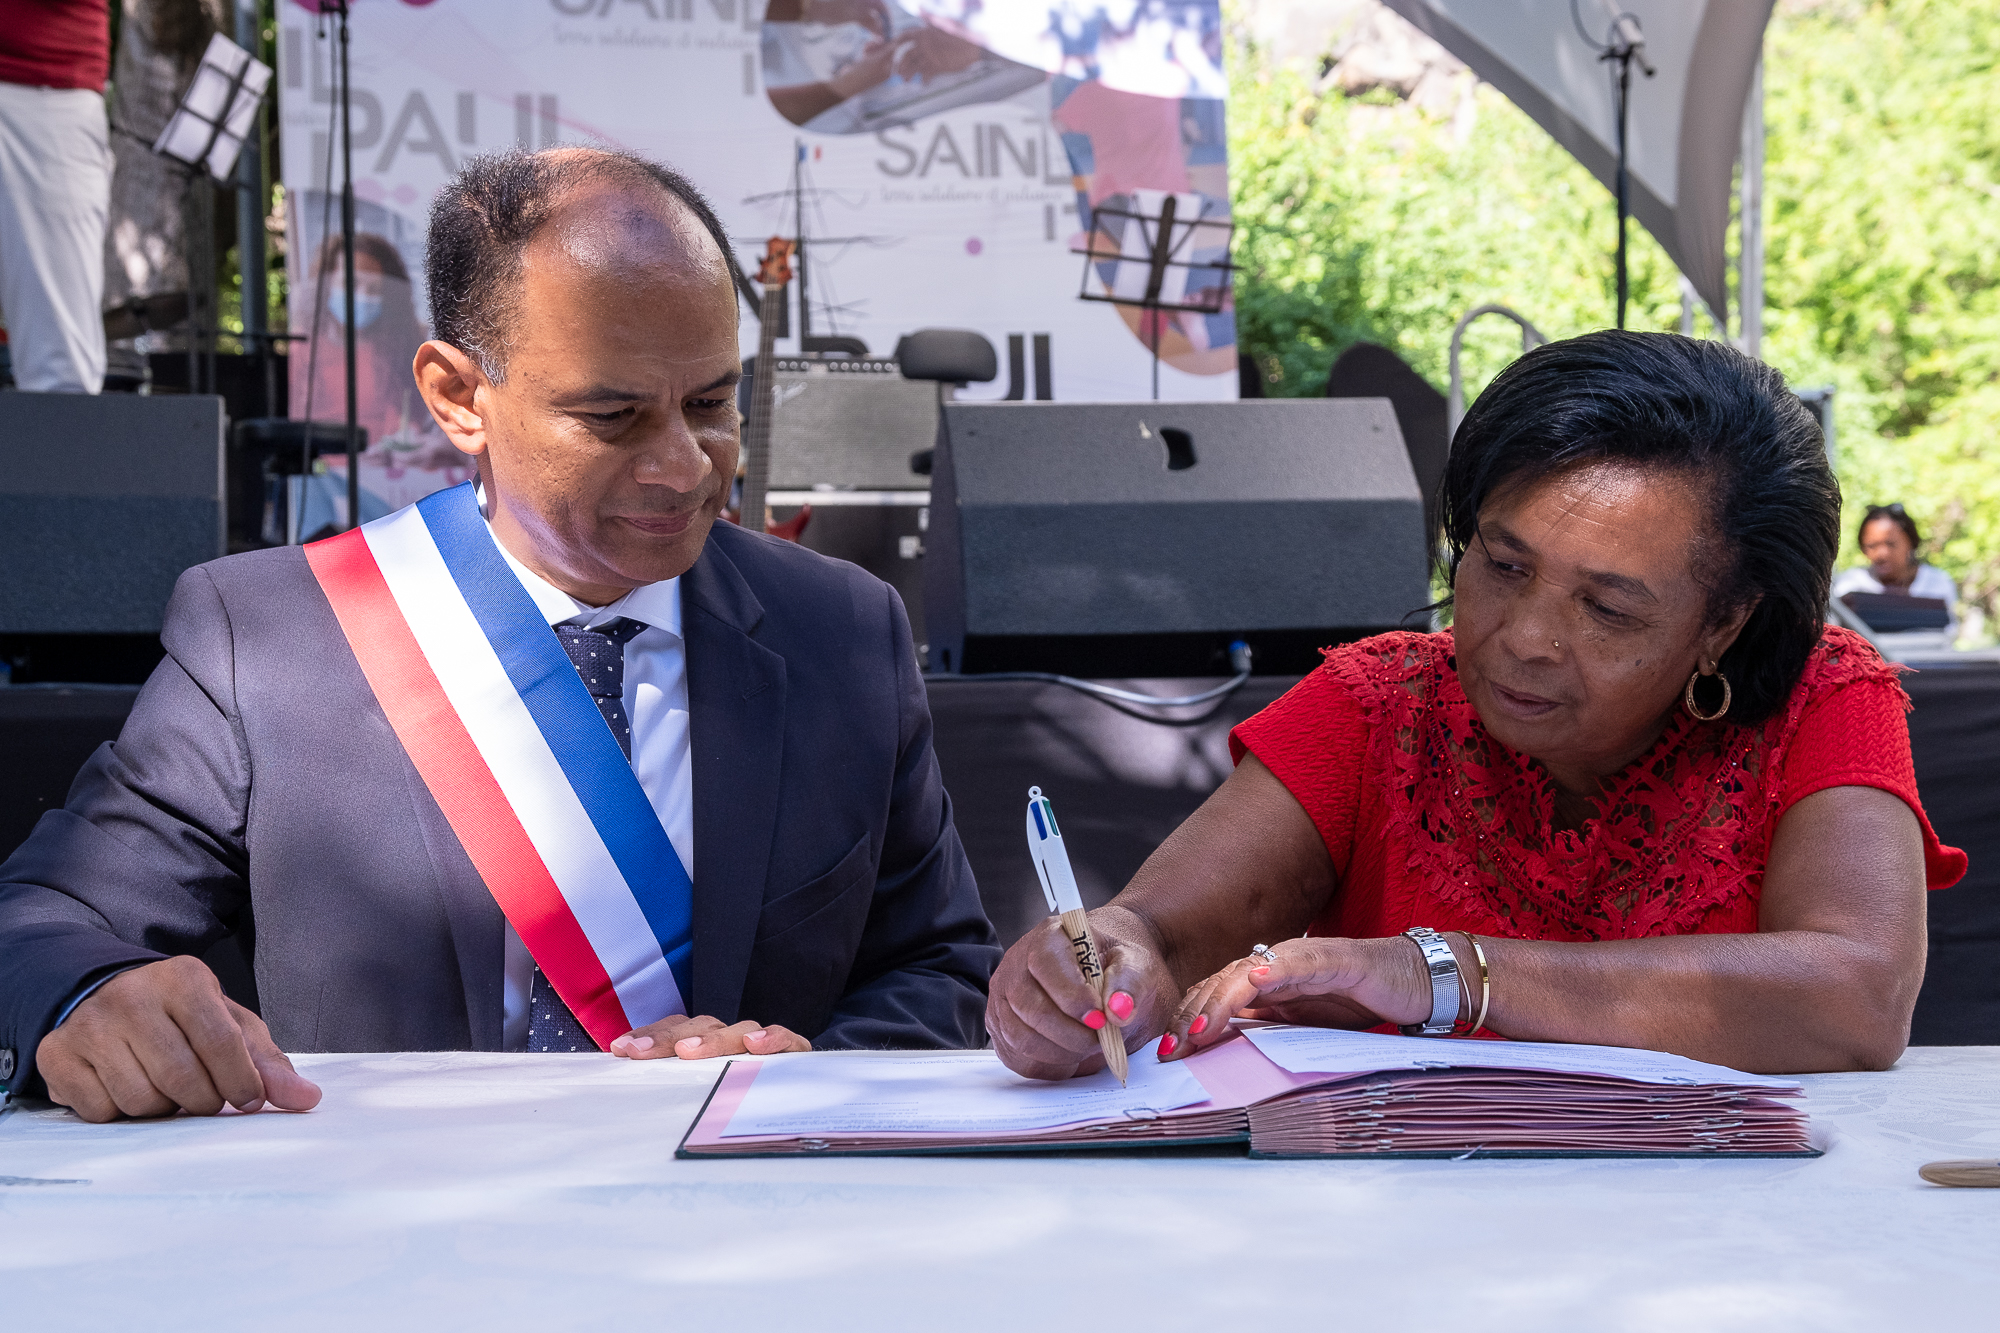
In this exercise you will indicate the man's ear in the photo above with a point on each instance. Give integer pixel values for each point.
(450, 382)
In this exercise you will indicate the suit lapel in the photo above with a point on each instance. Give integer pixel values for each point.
(736, 713)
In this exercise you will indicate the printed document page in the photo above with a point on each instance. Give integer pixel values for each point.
(1300, 1050)
(955, 1092)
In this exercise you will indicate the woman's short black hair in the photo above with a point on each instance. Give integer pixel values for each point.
(1699, 409)
(487, 214)
(1895, 514)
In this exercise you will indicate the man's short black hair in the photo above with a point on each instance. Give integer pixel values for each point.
(1701, 410)
(485, 217)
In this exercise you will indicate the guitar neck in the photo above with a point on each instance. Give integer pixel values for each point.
(763, 397)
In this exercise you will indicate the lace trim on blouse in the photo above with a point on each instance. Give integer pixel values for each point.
(1681, 832)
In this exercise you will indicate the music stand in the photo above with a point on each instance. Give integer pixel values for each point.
(343, 97)
(206, 133)
(1155, 261)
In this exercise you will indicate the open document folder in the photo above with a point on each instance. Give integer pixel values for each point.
(1286, 1091)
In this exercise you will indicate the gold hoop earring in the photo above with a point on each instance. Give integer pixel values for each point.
(1687, 699)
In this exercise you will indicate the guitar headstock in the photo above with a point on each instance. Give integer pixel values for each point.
(775, 269)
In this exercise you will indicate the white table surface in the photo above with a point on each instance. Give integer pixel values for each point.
(497, 1192)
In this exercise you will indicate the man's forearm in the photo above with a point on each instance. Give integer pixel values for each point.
(938, 1003)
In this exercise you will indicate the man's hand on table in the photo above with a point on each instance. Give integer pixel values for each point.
(164, 1038)
(702, 1038)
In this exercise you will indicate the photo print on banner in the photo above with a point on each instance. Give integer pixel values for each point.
(1134, 92)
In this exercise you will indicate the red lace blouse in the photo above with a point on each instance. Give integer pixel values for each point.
(1432, 822)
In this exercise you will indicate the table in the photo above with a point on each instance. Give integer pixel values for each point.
(501, 1192)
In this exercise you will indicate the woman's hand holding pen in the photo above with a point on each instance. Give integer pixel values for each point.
(1248, 865)
(1044, 1018)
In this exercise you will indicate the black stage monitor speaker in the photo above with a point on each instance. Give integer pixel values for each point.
(1139, 539)
(104, 500)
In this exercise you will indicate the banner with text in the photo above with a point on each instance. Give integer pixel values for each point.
(946, 161)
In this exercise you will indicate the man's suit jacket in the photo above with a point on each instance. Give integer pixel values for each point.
(258, 789)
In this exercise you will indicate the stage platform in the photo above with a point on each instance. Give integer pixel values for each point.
(1124, 784)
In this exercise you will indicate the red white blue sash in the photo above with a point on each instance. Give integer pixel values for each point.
(509, 742)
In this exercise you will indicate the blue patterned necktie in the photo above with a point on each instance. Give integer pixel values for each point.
(599, 658)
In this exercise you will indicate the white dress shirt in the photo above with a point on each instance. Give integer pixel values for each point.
(656, 700)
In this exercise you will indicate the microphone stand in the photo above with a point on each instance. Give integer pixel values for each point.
(339, 8)
(1627, 41)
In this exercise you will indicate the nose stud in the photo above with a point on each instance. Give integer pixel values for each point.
(1557, 642)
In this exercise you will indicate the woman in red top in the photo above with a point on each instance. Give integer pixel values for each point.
(1640, 791)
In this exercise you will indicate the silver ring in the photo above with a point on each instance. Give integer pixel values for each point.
(1263, 954)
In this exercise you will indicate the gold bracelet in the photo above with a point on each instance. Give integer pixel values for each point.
(1485, 984)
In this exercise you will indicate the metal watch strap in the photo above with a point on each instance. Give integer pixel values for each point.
(1442, 964)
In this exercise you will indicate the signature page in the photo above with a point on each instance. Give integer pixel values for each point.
(1301, 1050)
(957, 1092)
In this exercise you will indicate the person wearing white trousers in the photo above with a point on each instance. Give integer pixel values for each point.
(55, 192)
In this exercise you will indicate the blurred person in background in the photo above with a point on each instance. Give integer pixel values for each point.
(1890, 540)
(387, 336)
(55, 190)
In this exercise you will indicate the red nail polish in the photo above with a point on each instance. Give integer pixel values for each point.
(1260, 972)
(1121, 1005)
(1199, 1026)
(1094, 1019)
(1167, 1045)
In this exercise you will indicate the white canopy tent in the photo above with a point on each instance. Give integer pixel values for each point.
(1686, 125)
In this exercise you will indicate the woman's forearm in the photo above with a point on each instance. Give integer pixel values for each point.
(1792, 1001)
(1247, 867)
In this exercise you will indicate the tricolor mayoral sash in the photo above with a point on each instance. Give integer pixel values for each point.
(511, 745)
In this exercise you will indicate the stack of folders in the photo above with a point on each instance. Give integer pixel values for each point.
(1284, 1091)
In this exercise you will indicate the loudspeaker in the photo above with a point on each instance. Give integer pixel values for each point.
(104, 500)
(849, 423)
(1139, 539)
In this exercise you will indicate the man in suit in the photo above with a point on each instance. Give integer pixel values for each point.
(770, 705)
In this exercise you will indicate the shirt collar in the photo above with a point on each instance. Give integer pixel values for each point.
(656, 604)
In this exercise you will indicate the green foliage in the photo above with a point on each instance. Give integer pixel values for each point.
(1884, 255)
(1359, 220)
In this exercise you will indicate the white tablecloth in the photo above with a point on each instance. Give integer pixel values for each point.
(492, 1192)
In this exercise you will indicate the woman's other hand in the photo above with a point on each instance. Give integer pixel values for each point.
(1332, 983)
(1044, 1019)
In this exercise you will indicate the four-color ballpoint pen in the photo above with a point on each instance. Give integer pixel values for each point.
(1045, 845)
